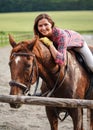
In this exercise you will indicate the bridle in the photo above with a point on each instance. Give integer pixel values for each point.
(25, 88)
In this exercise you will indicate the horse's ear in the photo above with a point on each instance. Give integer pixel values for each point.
(12, 41)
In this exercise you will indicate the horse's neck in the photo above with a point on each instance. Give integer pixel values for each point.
(45, 58)
(48, 69)
(49, 72)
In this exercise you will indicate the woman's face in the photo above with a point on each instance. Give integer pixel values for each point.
(44, 27)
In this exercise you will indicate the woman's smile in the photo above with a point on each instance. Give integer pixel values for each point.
(44, 27)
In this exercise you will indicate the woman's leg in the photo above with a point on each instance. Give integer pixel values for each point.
(87, 55)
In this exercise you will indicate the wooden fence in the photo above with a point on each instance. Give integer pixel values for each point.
(54, 102)
(4, 39)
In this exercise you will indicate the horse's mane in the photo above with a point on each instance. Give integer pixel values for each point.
(23, 46)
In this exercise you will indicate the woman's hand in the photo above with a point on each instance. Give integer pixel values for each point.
(46, 41)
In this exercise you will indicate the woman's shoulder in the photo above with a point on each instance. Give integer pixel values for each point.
(71, 31)
(58, 31)
(64, 30)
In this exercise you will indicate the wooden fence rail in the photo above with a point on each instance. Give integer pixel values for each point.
(4, 39)
(54, 102)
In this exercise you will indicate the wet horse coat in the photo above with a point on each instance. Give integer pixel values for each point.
(32, 57)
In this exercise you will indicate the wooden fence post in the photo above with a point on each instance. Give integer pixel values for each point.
(88, 119)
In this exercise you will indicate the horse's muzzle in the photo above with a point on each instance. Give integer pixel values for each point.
(15, 105)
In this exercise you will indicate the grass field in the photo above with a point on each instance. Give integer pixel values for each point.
(81, 21)
(21, 24)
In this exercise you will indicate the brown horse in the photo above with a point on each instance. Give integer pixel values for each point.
(30, 59)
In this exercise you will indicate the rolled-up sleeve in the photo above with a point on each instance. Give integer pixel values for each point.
(61, 41)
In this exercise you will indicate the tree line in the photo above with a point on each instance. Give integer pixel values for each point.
(44, 5)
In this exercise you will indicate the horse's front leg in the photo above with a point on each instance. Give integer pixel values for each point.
(53, 120)
(77, 118)
(91, 123)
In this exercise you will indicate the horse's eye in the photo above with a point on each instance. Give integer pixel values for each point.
(28, 65)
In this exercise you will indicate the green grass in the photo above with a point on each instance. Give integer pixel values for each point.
(22, 23)
(81, 21)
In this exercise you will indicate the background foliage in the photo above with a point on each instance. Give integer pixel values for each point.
(44, 5)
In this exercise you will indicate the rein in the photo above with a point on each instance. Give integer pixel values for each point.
(24, 88)
(50, 93)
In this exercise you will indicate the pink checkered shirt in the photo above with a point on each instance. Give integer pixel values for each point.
(63, 40)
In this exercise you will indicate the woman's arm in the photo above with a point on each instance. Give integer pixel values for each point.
(55, 53)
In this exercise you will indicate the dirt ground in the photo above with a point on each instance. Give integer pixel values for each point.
(27, 117)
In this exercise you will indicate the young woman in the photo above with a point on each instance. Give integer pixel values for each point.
(59, 40)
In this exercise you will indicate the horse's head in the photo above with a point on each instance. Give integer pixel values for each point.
(27, 59)
(23, 68)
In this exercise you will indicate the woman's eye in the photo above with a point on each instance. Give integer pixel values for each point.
(46, 24)
(39, 25)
